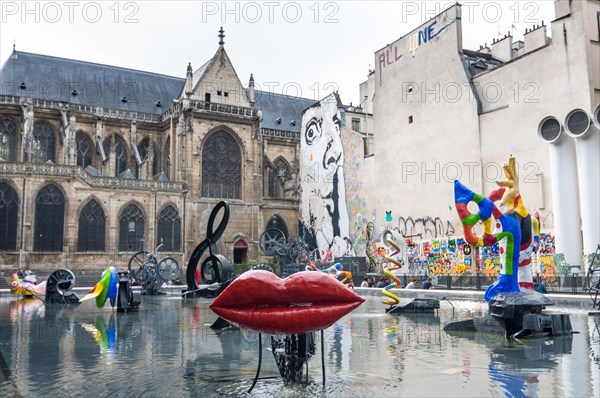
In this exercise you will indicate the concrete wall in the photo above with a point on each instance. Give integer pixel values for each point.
(425, 121)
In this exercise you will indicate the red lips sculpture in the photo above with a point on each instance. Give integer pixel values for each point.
(303, 302)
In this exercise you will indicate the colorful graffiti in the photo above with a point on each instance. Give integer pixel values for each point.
(546, 244)
(447, 257)
(487, 260)
(547, 269)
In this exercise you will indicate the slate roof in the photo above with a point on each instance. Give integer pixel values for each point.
(54, 78)
(284, 107)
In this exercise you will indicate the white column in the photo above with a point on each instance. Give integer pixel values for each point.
(578, 125)
(565, 195)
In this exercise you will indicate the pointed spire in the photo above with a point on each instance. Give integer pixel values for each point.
(221, 36)
(251, 89)
(189, 80)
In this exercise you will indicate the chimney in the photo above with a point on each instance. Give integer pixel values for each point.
(502, 49)
(251, 89)
(189, 78)
(535, 38)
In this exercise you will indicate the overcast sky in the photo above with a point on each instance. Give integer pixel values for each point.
(298, 48)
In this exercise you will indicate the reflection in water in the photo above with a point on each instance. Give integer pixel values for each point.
(517, 369)
(26, 309)
(167, 349)
(515, 365)
(594, 322)
(105, 337)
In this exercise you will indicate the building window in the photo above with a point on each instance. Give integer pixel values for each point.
(143, 151)
(169, 229)
(410, 119)
(49, 220)
(356, 124)
(84, 150)
(277, 178)
(206, 97)
(120, 154)
(92, 223)
(221, 167)
(131, 228)
(44, 143)
(9, 208)
(8, 141)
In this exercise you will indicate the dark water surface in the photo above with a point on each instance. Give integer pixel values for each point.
(167, 350)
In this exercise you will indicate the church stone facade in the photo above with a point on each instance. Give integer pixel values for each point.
(95, 159)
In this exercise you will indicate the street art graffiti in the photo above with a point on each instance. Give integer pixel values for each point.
(388, 216)
(548, 271)
(488, 260)
(546, 244)
(370, 248)
(323, 211)
(353, 145)
(425, 227)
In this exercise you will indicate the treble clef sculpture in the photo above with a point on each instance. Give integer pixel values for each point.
(215, 270)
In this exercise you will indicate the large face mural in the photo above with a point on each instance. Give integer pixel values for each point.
(323, 212)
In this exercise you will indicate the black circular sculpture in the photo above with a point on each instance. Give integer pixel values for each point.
(59, 286)
(290, 252)
(151, 273)
(215, 269)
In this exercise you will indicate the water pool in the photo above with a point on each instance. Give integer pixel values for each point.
(168, 349)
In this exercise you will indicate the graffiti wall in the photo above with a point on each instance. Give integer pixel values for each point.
(324, 220)
(448, 256)
(359, 216)
(487, 260)
(543, 261)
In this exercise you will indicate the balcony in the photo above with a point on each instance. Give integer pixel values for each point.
(58, 170)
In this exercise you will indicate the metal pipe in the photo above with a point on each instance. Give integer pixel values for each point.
(565, 193)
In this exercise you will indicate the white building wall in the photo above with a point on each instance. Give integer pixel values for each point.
(551, 81)
(426, 135)
(417, 162)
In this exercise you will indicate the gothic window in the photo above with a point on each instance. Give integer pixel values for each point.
(8, 141)
(9, 208)
(277, 177)
(92, 222)
(221, 167)
(169, 229)
(131, 228)
(143, 151)
(44, 143)
(84, 150)
(120, 154)
(277, 222)
(49, 220)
